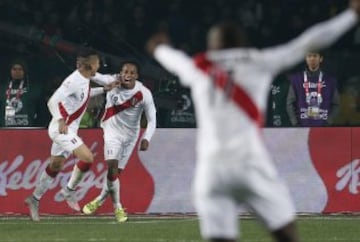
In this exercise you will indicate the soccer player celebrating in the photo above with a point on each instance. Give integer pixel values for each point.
(229, 85)
(67, 105)
(121, 126)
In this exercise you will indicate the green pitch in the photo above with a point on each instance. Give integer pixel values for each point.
(159, 229)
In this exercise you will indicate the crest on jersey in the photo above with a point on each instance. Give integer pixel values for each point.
(134, 101)
(114, 99)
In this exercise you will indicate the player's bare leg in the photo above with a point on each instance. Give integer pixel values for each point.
(47, 177)
(85, 156)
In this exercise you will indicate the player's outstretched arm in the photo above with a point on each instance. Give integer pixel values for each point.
(95, 91)
(316, 37)
(173, 60)
(103, 79)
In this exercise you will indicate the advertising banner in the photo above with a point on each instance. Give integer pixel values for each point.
(321, 167)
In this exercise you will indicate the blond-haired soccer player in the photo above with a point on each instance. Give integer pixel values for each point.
(229, 85)
(121, 125)
(67, 105)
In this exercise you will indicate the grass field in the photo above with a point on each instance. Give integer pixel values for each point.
(159, 229)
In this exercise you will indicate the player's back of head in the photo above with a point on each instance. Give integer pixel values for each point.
(87, 57)
(226, 35)
(86, 52)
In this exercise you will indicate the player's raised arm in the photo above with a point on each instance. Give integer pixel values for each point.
(173, 60)
(316, 37)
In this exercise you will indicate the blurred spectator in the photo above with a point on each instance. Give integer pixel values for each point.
(276, 115)
(20, 98)
(349, 111)
(313, 97)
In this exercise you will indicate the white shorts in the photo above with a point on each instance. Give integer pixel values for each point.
(118, 146)
(63, 144)
(226, 182)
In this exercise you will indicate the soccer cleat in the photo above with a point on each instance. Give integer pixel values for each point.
(33, 206)
(120, 215)
(69, 196)
(91, 207)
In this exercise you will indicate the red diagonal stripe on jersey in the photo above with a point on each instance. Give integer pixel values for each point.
(111, 111)
(223, 81)
(70, 118)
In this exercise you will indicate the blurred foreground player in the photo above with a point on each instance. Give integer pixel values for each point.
(229, 87)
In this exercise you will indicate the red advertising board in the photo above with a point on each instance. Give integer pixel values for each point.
(335, 154)
(25, 154)
(325, 161)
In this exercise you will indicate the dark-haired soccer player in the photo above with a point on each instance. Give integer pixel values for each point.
(121, 125)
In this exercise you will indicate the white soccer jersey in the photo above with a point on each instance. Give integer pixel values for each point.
(70, 100)
(124, 107)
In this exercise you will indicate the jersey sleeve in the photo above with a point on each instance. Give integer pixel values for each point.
(95, 91)
(67, 88)
(317, 37)
(150, 113)
(177, 62)
(103, 79)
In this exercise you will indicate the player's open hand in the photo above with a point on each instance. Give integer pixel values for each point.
(155, 40)
(355, 4)
(63, 128)
(144, 145)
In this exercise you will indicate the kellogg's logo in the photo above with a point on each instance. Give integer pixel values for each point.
(27, 155)
(349, 177)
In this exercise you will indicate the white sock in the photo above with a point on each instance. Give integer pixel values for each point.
(104, 193)
(75, 178)
(114, 191)
(43, 185)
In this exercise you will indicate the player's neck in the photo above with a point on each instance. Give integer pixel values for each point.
(85, 73)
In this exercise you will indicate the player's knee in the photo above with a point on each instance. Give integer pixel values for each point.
(56, 167)
(56, 164)
(89, 157)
